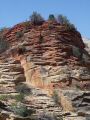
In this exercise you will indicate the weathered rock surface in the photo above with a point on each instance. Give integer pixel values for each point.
(51, 59)
(35, 99)
(51, 56)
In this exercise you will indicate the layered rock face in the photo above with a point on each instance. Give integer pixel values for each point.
(53, 54)
(15, 93)
(54, 59)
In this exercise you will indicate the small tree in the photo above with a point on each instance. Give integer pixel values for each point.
(36, 18)
(51, 17)
(64, 21)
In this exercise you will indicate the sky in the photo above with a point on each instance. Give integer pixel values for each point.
(16, 11)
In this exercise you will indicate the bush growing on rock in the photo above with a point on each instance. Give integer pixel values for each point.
(21, 110)
(23, 88)
(4, 97)
(36, 18)
(52, 17)
(56, 97)
(64, 21)
(19, 97)
(19, 34)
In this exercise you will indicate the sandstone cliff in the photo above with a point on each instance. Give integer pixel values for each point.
(54, 54)
(53, 59)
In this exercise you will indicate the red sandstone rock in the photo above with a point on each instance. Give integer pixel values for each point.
(52, 58)
(48, 45)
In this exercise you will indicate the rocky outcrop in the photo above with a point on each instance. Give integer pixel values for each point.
(53, 59)
(50, 31)
(79, 101)
(45, 106)
(51, 54)
(35, 99)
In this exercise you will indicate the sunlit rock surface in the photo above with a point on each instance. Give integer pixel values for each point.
(53, 63)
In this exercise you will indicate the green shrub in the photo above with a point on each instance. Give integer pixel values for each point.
(19, 34)
(56, 97)
(36, 18)
(19, 97)
(21, 110)
(52, 17)
(23, 88)
(64, 21)
(4, 97)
